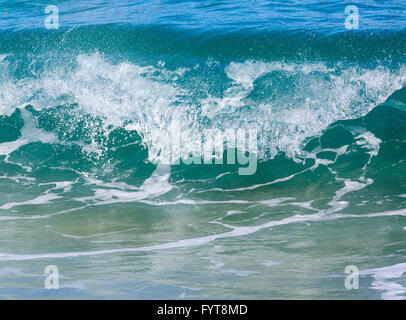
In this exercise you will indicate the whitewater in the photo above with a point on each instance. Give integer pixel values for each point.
(88, 115)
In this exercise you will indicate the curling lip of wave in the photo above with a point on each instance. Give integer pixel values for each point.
(287, 102)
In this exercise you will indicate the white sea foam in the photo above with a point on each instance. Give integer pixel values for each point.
(276, 201)
(8, 147)
(29, 133)
(368, 141)
(156, 185)
(43, 199)
(232, 212)
(151, 98)
(3, 56)
(385, 280)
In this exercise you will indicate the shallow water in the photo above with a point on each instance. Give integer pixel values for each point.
(85, 115)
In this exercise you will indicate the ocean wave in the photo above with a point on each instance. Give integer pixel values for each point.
(286, 102)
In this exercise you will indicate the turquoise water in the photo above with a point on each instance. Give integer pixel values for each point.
(85, 115)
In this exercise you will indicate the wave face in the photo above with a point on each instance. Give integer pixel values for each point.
(85, 116)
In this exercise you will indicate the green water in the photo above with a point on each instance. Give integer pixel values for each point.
(86, 115)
